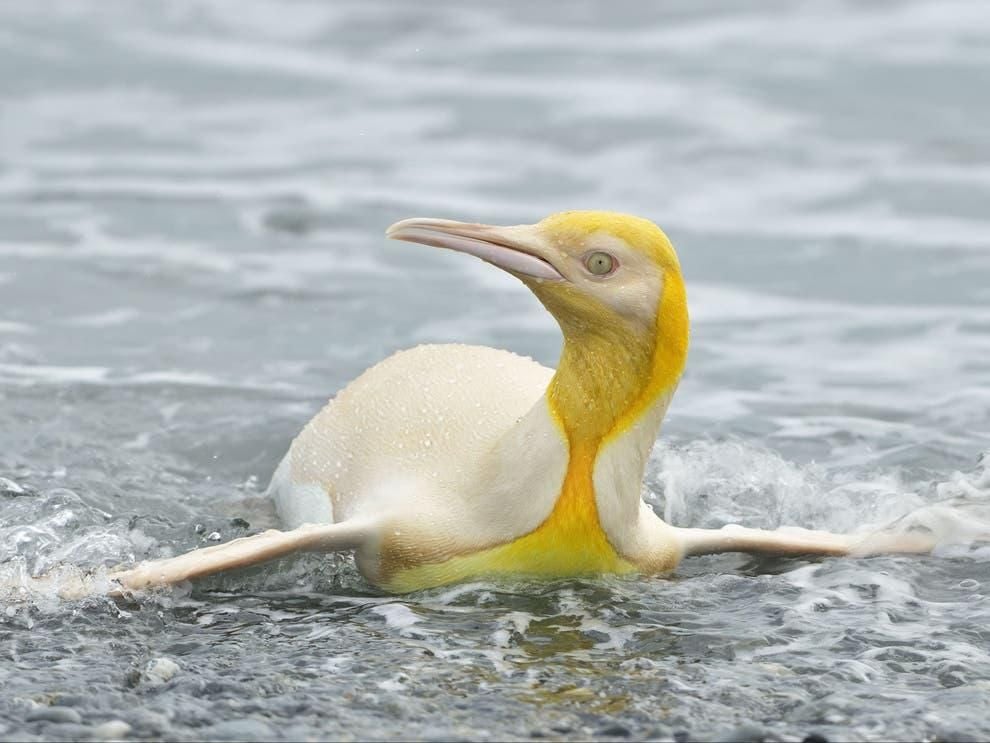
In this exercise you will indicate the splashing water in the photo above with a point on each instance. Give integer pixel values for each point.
(712, 484)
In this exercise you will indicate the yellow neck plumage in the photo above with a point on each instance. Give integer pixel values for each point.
(601, 389)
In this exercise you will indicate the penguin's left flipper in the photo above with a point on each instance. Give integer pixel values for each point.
(795, 541)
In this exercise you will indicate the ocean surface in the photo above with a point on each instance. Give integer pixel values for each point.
(192, 204)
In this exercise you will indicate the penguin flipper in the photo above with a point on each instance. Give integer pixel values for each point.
(244, 552)
(796, 541)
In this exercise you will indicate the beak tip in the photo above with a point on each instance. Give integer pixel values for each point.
(395, 230)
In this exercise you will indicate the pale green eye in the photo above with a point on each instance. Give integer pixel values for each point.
(600, 264)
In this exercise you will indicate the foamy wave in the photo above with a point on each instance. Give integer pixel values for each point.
(710, 484)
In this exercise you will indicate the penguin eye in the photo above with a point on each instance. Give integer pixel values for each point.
(600, 264)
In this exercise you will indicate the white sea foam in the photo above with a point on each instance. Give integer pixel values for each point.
(711, 484)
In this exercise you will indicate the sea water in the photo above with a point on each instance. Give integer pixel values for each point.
(192, 202)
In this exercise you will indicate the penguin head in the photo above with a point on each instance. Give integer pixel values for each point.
(598, 273)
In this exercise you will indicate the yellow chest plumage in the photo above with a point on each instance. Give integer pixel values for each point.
(569, 542)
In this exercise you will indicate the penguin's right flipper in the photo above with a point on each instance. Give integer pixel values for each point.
(244, 552)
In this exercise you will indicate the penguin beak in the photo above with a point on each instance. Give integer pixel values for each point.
(520, 250)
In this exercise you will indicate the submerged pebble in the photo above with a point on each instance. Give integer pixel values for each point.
(111, 730)
(161, 670)
(54, 714)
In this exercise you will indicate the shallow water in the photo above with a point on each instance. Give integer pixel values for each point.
(192, 200)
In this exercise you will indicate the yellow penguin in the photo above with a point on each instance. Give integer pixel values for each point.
(449, 462)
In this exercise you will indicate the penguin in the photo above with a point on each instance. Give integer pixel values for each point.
(445, 463)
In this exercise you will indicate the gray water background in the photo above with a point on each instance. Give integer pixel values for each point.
(192, 201)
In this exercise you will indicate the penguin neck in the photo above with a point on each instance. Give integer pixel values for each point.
(573, 465)
(614, 376)
(599, 380)
(609, 396)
